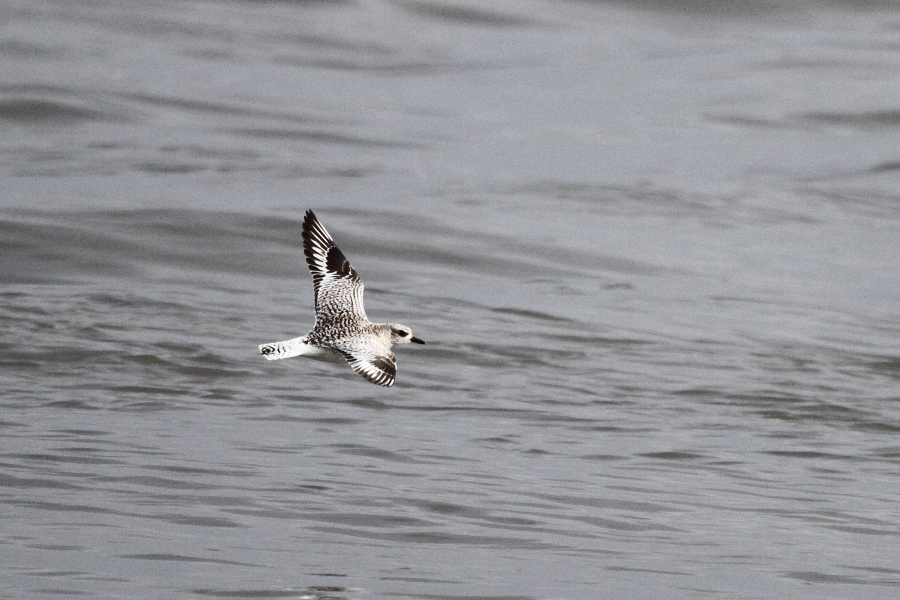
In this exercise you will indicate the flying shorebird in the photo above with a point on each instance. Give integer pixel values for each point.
(342, 330)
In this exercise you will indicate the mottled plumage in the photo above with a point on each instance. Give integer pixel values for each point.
(342, 330)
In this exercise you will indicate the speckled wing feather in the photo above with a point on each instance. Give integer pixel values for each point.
(337, 288)
(341, 321)
(378, 367)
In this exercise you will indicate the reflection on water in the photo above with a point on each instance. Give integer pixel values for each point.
(653, 253)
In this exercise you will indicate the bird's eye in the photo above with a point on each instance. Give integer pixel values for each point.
(402, 333)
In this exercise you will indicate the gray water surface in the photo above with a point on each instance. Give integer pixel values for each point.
(652, 248)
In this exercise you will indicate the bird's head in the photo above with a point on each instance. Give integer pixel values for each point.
(400, 334)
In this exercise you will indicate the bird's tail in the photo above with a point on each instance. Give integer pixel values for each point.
(286, 349)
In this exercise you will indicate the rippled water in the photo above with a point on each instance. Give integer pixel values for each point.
(653, 251)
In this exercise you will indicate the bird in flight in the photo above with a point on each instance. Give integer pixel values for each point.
(342, 330)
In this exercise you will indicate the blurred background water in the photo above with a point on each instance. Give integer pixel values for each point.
(652, 245)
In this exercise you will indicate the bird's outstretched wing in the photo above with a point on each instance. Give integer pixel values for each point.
(377, 368)
(337, 288)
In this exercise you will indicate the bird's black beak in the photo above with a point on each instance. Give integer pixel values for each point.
(416, 340)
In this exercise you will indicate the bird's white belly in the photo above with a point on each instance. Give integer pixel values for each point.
(323, 354)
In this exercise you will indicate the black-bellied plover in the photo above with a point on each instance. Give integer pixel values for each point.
(342, 330)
